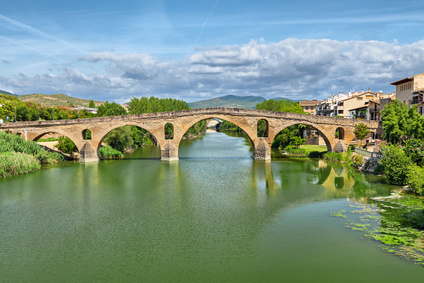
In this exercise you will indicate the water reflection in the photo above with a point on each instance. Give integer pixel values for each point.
(199, 219)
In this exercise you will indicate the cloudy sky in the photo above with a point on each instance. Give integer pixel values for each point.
(199, 49)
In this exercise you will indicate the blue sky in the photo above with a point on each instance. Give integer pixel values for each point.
(193, 50)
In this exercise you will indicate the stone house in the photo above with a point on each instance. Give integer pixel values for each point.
(357, 103)
(410, 91)
(309, 106)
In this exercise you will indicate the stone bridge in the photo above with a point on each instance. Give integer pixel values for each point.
(182, 120)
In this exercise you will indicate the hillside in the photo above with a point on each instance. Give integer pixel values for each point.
(57, 100)
(247, 102)
(7, 93)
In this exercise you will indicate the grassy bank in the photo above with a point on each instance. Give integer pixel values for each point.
(18, 156)
(313, 151)
(15, 163)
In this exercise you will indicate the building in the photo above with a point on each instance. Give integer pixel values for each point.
(341, 104)
(89, 110)
(309, 106)
(356, 106)
(410, 91)
(375, 106)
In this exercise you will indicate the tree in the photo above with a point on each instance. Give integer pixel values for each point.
(361, 131)
(414, 148)
(401, 124)
(91, 104)
(397, 164)
(111, 109)
(120, 138)
(66, 145)
(297, 141)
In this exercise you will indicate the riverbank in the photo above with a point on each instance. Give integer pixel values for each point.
(18, 156)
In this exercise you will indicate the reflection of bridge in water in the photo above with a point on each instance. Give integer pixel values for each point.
(181, 121)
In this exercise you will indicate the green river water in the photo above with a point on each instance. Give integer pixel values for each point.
(216, 215)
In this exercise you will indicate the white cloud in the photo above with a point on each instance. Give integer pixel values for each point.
(293, 68)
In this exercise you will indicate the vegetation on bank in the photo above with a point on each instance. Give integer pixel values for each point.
(29, 111)
(15, 163)
(403, 156)
(107, 152)
(18, 156)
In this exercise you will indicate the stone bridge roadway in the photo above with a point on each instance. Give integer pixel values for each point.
(182, 120)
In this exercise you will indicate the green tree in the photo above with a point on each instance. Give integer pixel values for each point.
(91, 104)
(361, 131)
(414, 148)
(111, 109)
(120, 138)
(66, 145)
(396, 164)
(415, 179)
(297, 141)
(401, 123)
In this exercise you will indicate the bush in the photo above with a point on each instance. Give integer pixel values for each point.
(109, 152)
(66, 145)
(356, 161)
(396, 164)
(15, 143)
(14, 163)
(333, 156)
(415, 179)
(379, 169)
(295, 150)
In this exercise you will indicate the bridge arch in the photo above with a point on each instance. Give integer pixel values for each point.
(185, 127)
(250, 132)
(39, 135)
(324, 134)
(102, 134)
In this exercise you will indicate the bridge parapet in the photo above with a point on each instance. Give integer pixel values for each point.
(247, 119)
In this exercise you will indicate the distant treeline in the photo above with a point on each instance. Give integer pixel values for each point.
(29, 111)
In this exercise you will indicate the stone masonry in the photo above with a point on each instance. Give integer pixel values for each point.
(182, 120)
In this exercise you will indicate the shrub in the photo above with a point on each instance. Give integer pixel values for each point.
(66, 145)
(356, 160)
(415, 179)
(333, 156)
(379, 169)
(15, 143)
(45, 157)
(295, 150)
(109, 152)
(396, 164)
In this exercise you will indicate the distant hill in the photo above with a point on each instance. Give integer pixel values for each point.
(247, 102)
(6, 92)
(59, 99)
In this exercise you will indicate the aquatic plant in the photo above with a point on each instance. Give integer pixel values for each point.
(396, 223)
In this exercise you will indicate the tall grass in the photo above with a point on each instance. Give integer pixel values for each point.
(15, 163)
(15, 143)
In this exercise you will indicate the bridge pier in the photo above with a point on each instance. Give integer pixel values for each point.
(261, 149)
(169, 151)
(88, 153)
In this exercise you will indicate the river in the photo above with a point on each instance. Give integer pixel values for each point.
(216, 215)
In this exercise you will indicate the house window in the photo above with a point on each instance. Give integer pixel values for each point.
(359, 98)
